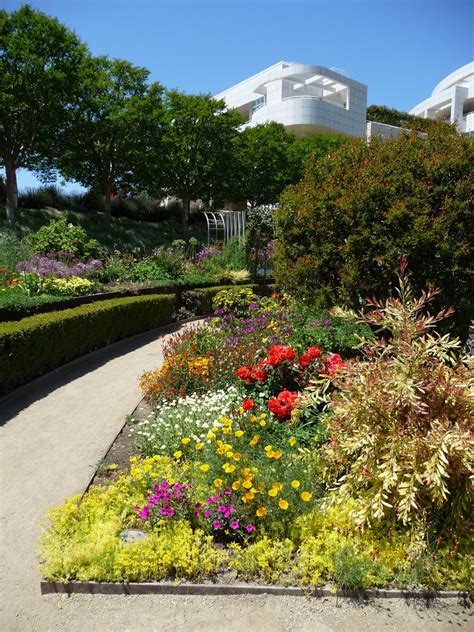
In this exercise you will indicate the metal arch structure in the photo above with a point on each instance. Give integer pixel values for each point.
(230, 223)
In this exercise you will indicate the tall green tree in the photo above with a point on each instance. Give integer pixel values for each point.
(40, 69)
(198, 148)
(314, 146)
(263, 167)
(117, 126)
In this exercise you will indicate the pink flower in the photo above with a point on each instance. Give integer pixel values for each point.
(250, 528)
(235, 524)
(216, 524)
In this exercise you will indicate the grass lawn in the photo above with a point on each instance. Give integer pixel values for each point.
(123, 233)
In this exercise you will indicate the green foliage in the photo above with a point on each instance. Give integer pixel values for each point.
(313, 147)
(72, 286)
(124, 234)
(16, 301)
(40, 343)
(400, 421)
(263, 166)
(40, 64)
(12, 250)
(60, 235)
(83, 543)
(235, 300)
(391, 116)
(197, 150)
(266, 560)
(343, 229)
(117, 123)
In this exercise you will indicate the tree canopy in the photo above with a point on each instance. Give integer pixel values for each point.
(118, 123)
(198, 148)
(40, 68)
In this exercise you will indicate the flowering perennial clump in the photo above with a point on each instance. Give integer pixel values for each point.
(167, 500)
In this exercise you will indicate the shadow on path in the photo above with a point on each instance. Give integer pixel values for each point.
(22, 397)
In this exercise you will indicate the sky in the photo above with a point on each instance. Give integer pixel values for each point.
(399, 48)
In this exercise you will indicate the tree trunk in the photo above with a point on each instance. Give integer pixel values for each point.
(108, 209)
(185, 213)
(11, 191)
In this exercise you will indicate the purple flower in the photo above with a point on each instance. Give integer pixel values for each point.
(235, 524)
(207, 513)
(227, 492)
(221, 508)
(144, 512)
(216, 524)
(253, 306)
(250, 528)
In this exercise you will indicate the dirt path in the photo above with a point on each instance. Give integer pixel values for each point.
(54, 433)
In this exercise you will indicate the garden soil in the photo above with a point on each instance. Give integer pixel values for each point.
(55, 432)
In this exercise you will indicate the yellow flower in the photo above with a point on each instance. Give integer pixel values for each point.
(270, 454)
(239, 433)
(247, 484)
(221, 450)
(236, 456)
(245, 471)
(210, 435)
(283, 504)
(253, 442)
(215, 429)
(228, 468)
(261, 512)
(273, 492)
(292, 441)
(278, 486)
(218, 482)
(204, 468)
(219, 443)
(267, 448)
(306, 496)
(229, 454)
(262, 422)
(252, 418)
(263, 416)
(185, 440)
(277, 454)
(241, 410)
(226, 431)
(295, 484)
(235, 485)
(177, 454)
(249, 496)
(199, 446)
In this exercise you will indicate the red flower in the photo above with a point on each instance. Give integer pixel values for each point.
(259, 375)
(248, 404)
(3, 270)
(278, 353)
(244, 374)
(309, 357)
(333, 362)
(282, 405)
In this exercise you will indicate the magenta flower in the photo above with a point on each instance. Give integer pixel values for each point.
(207, 513)
(144, 512)
(216, 524)
(250, 528)
(235, 524)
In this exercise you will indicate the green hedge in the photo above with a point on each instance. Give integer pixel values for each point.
(34, 345)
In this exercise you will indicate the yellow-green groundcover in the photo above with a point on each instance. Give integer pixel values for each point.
(82, 542)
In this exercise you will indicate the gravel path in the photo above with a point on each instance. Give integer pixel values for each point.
(54, 433)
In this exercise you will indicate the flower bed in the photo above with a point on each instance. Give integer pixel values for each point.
(287, 462)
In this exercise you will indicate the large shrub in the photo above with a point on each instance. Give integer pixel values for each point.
(342, 230)
(401, 421)
(60, 235)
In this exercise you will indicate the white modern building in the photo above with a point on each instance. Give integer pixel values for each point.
(306, 99)
(452, 100)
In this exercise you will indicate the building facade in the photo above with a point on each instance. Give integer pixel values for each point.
(452, 100)
(306, 99)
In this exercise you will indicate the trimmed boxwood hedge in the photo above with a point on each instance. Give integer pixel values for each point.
(34, 345)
